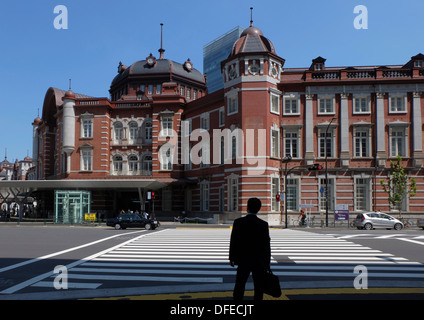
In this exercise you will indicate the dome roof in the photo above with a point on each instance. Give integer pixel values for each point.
(160, 67)
(252, 40)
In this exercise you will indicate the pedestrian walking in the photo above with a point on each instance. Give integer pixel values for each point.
(250, 250)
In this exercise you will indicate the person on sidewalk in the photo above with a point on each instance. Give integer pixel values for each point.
(250, 250)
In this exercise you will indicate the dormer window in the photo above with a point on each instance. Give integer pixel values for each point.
(318, 64)
(418, 63)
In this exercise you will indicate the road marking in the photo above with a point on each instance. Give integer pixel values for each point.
(24, 263)
(389, 236)
(145, 278)
(353, 236)
(38, 278)
(71, 285)
(412, 241)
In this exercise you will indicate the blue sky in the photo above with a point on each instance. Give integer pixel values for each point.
(37, 56)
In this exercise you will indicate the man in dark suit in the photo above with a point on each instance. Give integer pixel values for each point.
(250, 250)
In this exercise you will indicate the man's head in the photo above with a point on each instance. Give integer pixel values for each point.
(253, 205)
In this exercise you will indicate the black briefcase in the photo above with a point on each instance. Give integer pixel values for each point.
(272, 284)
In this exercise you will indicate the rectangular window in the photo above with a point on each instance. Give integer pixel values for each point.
(87, 128)
(158, 89)
(397, 142)
(166, 160)
(325, 144)
(233, 194)
(204, 121)
(326, 106)
(291, 144)
(397, 104)
(221, 117)
(86, 160)
(291, 106)
(167, 126)
(232, 105)
(326, 194)
(275, 143)
(275, 103)
(361, 105)
(362, 194)
(292, 194)
(205, 196)
(361, 143)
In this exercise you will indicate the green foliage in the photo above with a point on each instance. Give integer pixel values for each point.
(398, 185)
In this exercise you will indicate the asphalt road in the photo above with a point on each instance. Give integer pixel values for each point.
(29, 255)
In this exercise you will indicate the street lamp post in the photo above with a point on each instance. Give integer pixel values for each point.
(326, 171)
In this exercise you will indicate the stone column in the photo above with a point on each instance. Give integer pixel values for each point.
(417, 152)
(344, 131)
(380, 131)
(309, 130)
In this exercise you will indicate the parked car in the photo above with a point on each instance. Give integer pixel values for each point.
(372, 220)
(131, 220)
(420, 223)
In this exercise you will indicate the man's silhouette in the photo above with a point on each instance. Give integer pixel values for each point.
(250, 250)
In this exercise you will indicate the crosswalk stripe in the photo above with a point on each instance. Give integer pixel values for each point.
(201, 256)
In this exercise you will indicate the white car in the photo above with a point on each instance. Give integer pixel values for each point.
(373, 220)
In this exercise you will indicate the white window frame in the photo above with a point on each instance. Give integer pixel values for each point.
(321, 142)
(86, 126)
(117, 162)
(358, 101)
(362, 193)
(86, 161)
(274, 101)
(326, 100)
(275, 142)
(365, 138)
(118, 131)
(398, 134)
(288, 100)
(167, 125)
(394, 100)
(293, 183)
(166, 159)
(133, 133)
(288, 142)
(133, 163)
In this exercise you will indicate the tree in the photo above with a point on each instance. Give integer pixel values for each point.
(398, 185)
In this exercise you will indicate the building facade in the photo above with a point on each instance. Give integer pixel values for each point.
(215, 52)
(208, 153)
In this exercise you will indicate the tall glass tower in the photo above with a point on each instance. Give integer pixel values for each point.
(215, 52)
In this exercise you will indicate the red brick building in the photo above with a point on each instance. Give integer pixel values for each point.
(208, 153)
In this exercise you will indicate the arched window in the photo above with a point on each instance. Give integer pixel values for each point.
(133, 130)
(117, 163)
(148, 131)
(118, 131)
(133, 163)
(147, 164)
